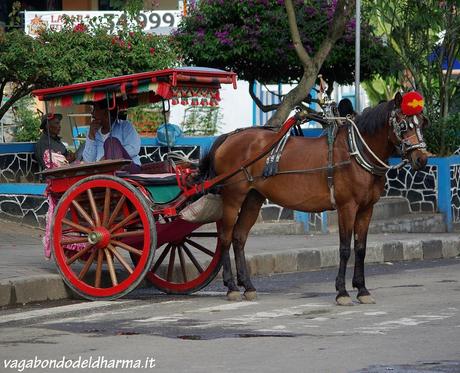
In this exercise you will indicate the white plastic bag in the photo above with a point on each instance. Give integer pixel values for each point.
(207, 209)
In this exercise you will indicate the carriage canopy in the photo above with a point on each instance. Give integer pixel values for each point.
(183, 85)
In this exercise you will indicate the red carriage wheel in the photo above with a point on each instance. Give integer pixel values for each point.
(188, 256)
(98, 223)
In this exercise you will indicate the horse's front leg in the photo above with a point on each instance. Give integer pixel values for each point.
(346, 215)
(246, 219)
(363, 219)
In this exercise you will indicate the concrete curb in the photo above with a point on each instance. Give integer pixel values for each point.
(37, 288)
(328, 256)
(23, 290)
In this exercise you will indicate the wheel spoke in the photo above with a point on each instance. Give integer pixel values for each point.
(83, 213)
(78, 227)
(92, 203)
(182, 263)
(161, 258)
(128, 234)
(70, 240)
(97, 282)
(79, 254)
(120, 258)
(105, 214)
(113, 275)
(172, 257)
(124, 221)
(126, 247)
(87, 265)
(193, 259)
(116, 211)
(199, 247)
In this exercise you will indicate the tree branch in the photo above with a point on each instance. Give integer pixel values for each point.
(335, 31)
(259, 103)
(18, 93)
(311, 66)
(296, 40)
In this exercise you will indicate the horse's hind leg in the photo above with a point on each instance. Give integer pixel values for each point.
(231, 207)
(346, 215)
(246, 219)
(363, 219)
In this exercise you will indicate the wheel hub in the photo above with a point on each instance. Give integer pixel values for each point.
(100, 237)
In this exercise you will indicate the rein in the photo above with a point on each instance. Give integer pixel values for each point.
(288, 172)
(357, 153)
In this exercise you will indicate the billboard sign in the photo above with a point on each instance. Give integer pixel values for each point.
(157, 22)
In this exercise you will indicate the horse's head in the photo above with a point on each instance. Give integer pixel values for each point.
(407, 122)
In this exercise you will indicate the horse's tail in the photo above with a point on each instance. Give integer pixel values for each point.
(206, 167)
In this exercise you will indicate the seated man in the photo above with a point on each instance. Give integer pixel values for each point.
(51, 127)
(116, 140)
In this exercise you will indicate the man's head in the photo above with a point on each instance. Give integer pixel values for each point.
(51, 123)
(100, 113)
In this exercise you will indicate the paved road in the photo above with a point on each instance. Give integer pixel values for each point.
(293, 326)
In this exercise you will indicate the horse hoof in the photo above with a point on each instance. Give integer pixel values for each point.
(233, 295)
(250, 295)
(344, 301)
(366, 299)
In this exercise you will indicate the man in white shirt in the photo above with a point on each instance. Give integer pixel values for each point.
(112, 138)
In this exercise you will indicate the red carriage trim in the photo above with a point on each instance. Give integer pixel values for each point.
(180, 83)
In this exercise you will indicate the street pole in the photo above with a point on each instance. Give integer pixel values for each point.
(357, 55)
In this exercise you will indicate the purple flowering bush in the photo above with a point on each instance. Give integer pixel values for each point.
(252, 38)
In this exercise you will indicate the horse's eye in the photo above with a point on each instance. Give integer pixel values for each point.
(403, 126)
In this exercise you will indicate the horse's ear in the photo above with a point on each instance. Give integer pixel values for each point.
(398, 99)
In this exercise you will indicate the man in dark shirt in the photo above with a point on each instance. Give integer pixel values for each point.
(51, 124)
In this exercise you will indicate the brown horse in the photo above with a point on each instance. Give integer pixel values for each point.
(355, 191)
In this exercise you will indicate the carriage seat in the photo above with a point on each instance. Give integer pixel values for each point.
(163, 188)
(163, 179)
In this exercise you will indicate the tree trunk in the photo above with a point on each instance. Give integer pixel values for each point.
(311, 65)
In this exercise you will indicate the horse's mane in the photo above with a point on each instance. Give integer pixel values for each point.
(373, 119)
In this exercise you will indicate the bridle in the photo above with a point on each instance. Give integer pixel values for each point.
(401, 123)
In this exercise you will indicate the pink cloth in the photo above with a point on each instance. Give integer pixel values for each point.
(58, 161)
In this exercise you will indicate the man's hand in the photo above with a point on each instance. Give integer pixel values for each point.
(93, 128)
(70, 156)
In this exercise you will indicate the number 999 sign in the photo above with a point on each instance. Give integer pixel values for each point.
(159, 19)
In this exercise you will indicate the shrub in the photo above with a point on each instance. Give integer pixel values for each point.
(27, 121)
(443, 136)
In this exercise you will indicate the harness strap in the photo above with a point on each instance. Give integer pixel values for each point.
(331, 134)
(271, 164)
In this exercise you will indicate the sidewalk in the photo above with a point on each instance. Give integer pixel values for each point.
(25, 276)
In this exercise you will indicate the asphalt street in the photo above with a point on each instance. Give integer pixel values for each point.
(293, 326)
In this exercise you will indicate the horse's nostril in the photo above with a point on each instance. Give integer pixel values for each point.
(419, 162)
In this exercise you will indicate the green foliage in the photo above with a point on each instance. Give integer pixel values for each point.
(146, 118)
(443, 136)
(96, 53)
(202, 121)
(379, 89)
(253, 39)
(424, 35)
(79, 53)
(27, 121)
